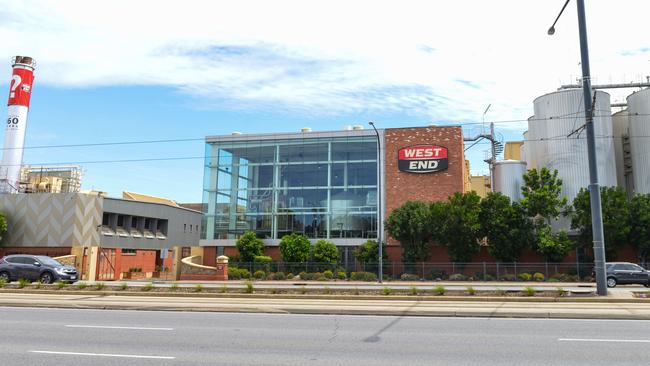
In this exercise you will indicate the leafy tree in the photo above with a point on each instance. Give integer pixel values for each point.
(249, 246)
(640, 225)
(295, 248)
(411, 225)
(506, 227)
(616, 218)
(326, 252)
(459, 225)
(554, 247)
(368, 253)
(3, 227)
(541, 191)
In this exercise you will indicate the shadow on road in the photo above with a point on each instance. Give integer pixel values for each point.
(376, 337)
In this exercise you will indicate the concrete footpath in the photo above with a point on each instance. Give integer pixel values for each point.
(584, 308)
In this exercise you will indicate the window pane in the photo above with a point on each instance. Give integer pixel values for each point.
(310, 225)
(354, 150)
(304, 152)
(344, 225)
(354, 174)
(354, 199)
(303, 175)
(302, 200)
(261, 224)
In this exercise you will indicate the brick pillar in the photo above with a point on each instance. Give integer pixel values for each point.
(93, 260)
(222, 268)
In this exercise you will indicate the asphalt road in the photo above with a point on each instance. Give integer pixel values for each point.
(102, 337)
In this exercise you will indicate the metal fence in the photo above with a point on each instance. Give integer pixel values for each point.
(478, 271)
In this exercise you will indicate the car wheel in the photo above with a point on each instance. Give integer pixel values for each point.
(647, 284)
(4, 276)
(47, 278)
(611, 282)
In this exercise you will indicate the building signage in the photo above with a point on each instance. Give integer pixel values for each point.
(422, 159)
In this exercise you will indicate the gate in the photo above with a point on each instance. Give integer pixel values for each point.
(106, 265)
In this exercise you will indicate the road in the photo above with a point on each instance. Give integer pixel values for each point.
(108, 337)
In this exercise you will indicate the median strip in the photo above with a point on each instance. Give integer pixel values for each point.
(115, 327)
(604, 340)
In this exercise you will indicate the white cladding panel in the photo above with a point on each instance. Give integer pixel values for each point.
(638, 105)
(557, 115)
(508, 178)
(524, 148)
(12, 153)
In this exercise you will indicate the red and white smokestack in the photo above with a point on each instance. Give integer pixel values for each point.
(20, 92)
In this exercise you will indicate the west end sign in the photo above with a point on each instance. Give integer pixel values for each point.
(422, 159)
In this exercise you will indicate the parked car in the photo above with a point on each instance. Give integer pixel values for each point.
(35, 268)
(625, 273)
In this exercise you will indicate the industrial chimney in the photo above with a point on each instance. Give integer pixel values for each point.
(20, 90)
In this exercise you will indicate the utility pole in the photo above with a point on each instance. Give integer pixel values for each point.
(594, 187)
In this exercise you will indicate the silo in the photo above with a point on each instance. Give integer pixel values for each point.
(638, 105)
(508, 178)
(558, 115)
(620, 126)
(525, 147)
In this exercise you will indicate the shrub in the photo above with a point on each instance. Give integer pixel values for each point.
(328, 275)
(457, 277)
(386, 291)
(23, 282)
(363, 276)
(295, 248)
(525, 276)
(123, 286)
(259, 275)
(484, 276)
(198, 288)
(573, 278)
(249, 246)
(528, 291)
(560, 277)
(276, 276)
(249, 288)
(319, 277)
(290, 276)
(60, 285)
(409, 277)
(81, 285)
(471, 291)
(508, 277)
(100, 286)
(553, 279)
(341, 276)
(147, 287)
(245, 274)
(326, 254)
(223, 289)
(2, 283)
(414, 290)
(589, 279)
(263, 262)
(234, 273)
(274, 291)
(500, 292)
(355, 291)
(307, 276)
(438, 274)
(303, 290)
(327, 290)
(538, 277)
(368, 254)
(174, 287)
(561, 291)
(439, 290)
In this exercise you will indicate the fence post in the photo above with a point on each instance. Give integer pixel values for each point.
(546, 265)
(484, 271)
(515, 269)
(497, 271)
(578, 268)
(422, 270)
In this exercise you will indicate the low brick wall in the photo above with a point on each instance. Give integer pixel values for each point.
(190, 270)
(68, 260)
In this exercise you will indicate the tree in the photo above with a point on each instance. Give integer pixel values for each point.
(541, 191)
(3, 227)
(325, 252)
(368, 254)
(616, 218)
(459, 225)
(411, 225)
(506, 227)
(554, 247)
(295, 248)
(249, 246)
(640, 225)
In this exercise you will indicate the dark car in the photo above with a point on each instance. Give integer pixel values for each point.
(35, 268)
(625, 273)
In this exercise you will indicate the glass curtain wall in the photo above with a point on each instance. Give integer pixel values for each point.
(321, 188)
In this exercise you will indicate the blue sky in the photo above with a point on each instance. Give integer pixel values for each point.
(259, 66)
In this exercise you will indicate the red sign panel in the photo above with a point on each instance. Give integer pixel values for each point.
(20, 89)
(422, 159)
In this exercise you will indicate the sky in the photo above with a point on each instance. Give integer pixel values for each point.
(116, 71)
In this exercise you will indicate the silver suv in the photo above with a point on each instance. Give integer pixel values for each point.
(35, 268)
(626, 273)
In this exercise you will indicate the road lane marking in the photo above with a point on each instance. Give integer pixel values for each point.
(103, 355)
(603, 340)
(114, 327)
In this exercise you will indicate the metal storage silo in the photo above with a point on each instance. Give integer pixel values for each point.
(524, 147)
(508, 178)
(638, 105)
(557, 115)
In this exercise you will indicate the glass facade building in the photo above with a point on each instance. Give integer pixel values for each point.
(320, 185)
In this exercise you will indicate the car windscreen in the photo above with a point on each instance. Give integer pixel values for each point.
(48, 261)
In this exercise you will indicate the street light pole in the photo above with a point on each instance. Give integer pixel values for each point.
(594, 188)
(380, 271)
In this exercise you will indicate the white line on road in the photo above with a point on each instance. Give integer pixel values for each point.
(604, 340)
(114, 327)
(103, 355)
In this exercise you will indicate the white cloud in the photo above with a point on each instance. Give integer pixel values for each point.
(438, 60)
